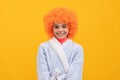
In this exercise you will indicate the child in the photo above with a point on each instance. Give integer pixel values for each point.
(60, 58)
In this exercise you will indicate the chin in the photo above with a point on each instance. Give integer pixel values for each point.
(61, 37)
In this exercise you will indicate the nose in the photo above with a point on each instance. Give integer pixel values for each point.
(60, 29)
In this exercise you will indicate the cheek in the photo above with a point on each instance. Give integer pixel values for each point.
(54, 31)
(67, 30)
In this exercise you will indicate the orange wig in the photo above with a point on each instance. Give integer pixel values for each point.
(61, 15)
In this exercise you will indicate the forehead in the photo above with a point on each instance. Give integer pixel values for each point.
(56, 23)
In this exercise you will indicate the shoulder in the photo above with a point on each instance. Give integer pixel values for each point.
(44, 45)
(78, 46)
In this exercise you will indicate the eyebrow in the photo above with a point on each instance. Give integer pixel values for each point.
(62, 24)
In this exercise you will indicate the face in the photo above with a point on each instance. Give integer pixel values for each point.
(60, 30)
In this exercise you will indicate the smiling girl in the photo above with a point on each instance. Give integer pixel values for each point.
(60, 58)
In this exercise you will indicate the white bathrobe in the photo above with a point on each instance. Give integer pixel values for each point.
(50, 66)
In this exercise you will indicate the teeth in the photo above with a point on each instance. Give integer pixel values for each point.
(60, 34)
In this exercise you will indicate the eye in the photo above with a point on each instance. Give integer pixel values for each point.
(64, 26)
(56, 26)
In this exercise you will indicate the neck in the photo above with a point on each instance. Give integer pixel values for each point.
(62, 40)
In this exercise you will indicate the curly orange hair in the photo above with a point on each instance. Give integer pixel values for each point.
(61, 15)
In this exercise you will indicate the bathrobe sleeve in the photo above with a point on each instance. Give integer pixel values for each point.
(76, 67)
(42, 66)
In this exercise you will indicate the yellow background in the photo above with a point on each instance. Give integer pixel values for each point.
(21, 32)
